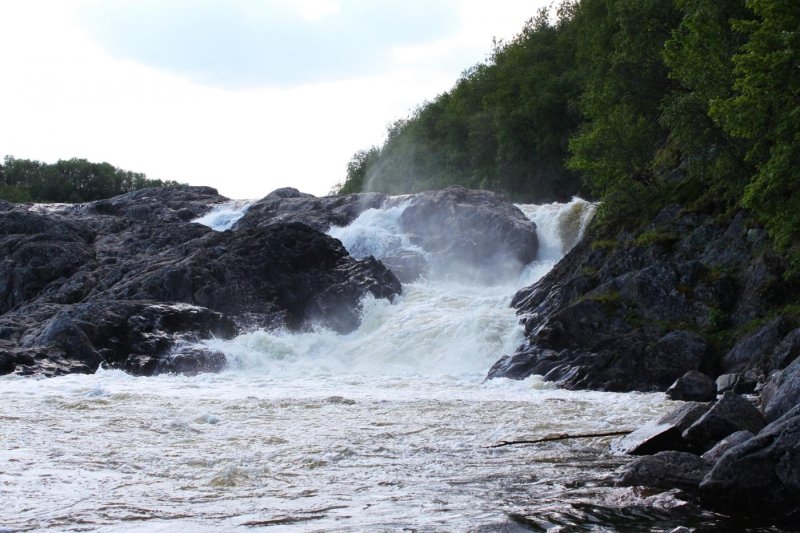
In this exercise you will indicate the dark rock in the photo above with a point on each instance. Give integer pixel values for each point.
(664, 434)
(760, 477)
(787, 394)
(719, 449)
(693, 386)
(678, 351)
(125, 281)
(787, 351)
(290, 205)
(618, 363)
(666, 470)
(645, 305)
(731, 413)
(187, 360)
(474, 233)
(736, 382)
(756, 347)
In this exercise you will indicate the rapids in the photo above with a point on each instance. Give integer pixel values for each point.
(381, 429)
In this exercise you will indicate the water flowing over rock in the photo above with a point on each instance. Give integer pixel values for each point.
(455, 232)
(132, 282)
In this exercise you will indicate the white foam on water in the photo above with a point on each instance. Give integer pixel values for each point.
(223, 216)
(381, 429)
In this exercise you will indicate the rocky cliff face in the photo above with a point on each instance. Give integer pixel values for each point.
(637, 312)
(699, 303)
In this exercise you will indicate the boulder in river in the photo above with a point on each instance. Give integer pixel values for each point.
(664, 434)
(731, 413)
(693, 386)
(760, 477)
(666, 470)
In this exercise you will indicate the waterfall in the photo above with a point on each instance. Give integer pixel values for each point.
(439, 326)
(223, 216)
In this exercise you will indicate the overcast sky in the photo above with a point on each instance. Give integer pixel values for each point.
(242, 95)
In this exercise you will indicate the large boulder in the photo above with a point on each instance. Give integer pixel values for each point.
(760, 477)
(473, 233)
(787, 393)
(665, 470)
(731, 413)
(664, 434)
(693, 386)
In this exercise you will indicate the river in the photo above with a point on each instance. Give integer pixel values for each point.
(385, 428)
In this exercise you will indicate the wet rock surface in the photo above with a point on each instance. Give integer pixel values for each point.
(666, 470)
(693, 386)
(132, 283)
(639, 310)
(761, 476)
(664, 434)
(692, 304)
(731, 413)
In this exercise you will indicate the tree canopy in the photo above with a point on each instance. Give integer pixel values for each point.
(635, 102)
(72, 180)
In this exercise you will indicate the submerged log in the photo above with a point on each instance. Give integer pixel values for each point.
(563, 436)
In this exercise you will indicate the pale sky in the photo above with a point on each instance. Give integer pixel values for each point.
(242, 95)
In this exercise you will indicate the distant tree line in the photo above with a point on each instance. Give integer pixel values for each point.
(636, 102)
(73, 180)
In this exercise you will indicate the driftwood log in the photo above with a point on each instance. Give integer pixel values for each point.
(563, 436)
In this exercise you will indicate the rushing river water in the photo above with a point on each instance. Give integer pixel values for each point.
(382, 429)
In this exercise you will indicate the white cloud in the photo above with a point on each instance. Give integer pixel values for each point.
(65, 95)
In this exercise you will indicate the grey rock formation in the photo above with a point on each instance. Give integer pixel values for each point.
(731, 413)
(693, 386)
(760, 477)
(666, 470)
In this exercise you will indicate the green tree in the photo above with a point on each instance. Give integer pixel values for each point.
(625, 80)
(700, 57)
(765, 110)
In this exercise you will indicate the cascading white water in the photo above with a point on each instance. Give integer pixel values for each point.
(382, 428)
(223, 216)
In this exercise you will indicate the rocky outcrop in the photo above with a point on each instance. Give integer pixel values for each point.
(131, 282)
(693, 386)
(457, 232)
(638, 311)
(666, 470)
(747, 469)
(761, 476)
(697, 303)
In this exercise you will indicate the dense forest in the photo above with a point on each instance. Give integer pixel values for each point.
(73, 180)
(635, 102)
